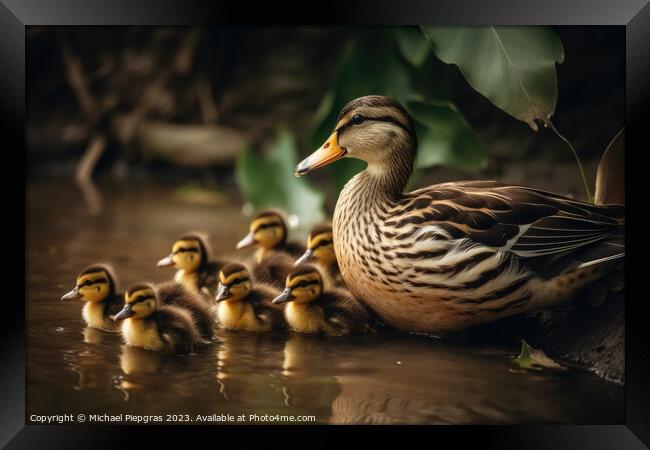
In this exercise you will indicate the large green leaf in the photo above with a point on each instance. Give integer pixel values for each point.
(267, 181)
(445, 137)
(514, 67)
(412, 44)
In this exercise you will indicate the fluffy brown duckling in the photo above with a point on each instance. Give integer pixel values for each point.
(97, 286)
(195, 269)
(176, 294)
(244, 306)
(313, 309)
(320, 249)
(274, 257)
(150, 323)
(269, 233)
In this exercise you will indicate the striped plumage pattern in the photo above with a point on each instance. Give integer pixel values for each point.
(481, 250)
(458, 254)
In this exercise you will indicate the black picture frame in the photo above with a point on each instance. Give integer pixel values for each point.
(15, 15)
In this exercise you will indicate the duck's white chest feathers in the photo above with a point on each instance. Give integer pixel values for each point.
(239, 315)
(93, 315)
(142, 333)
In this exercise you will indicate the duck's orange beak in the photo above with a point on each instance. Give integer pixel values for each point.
(326, 154)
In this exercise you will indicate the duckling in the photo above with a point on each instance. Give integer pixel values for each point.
(268, 231)
(195, 269)
(273, 269)
(314, 309)
(176, 294)
(150, 324)
(244, 307)
(320, 248)
(97, 286)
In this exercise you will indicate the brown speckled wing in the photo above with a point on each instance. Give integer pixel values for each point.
(524, 221)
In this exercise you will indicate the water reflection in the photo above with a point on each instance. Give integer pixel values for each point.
(308, 384)
(93, 335)
(249, 366)
(383, 378)
(136, 360)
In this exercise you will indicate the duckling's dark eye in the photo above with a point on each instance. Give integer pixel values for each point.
(358, 119)
(87, 283)
(302, 284)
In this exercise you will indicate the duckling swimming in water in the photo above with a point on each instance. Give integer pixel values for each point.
(150, 324)
(274, 257)
(314, 309)
(268, 231)
(176, 294)
(320, 248)
(243, 306)
(194, 267)
(97, 286)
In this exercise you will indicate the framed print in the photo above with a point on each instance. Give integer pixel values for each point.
(392, 218)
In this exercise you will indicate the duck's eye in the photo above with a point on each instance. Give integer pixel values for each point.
(302, 284)
(87, 283)
(358, 119)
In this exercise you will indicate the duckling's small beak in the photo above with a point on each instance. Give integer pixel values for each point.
(167, 261)
(125, 313)
(223, 294)
(326, 154)
(305, 257)
(248, 241)
(72, 295)
(284, 297)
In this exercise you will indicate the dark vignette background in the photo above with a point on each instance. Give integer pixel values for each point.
(553, 12)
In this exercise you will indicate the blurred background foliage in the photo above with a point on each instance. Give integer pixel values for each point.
(204, 106)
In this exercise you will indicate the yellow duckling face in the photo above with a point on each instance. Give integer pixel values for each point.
(234, 283)
(370, 128)
(139, 302)
(94, 284)
(267, 230)
(187, 254)
(320, 247)
(304, 284)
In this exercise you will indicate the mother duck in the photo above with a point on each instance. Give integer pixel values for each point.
(453, 255)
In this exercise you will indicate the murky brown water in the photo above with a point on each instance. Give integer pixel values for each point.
(385, 378)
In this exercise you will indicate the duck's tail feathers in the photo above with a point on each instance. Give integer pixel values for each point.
(609, 252)
(602, 260)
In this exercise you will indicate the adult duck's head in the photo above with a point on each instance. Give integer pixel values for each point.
(375, 129)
